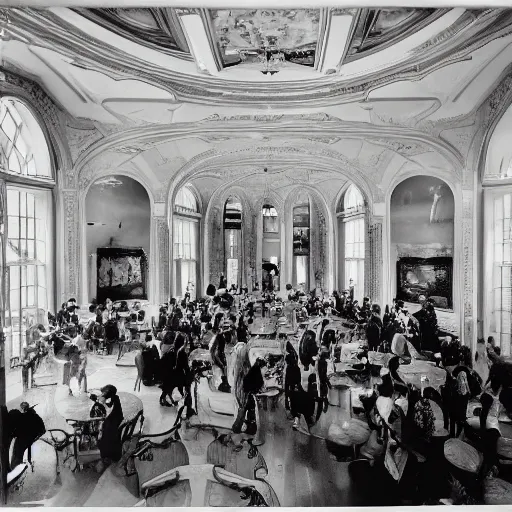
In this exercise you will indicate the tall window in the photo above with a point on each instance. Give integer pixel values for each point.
(28, 260)
(233, 241)
(502, 268)
(28, 231)
(185, 240)
(354, 241)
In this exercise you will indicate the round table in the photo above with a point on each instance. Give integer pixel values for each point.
(78, 408)
(412, 373)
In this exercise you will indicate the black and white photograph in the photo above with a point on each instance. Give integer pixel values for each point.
(255, 254)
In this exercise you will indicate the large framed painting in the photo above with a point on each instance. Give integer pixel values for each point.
(121, 274)
(422, 278)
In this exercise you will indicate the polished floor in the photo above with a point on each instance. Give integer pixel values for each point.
(300, 468)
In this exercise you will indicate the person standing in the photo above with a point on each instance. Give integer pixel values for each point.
(110, 436)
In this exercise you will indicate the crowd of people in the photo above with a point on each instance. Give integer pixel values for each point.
(219, 325)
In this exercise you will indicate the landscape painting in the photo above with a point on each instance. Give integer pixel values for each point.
(121, 274)
(420, 279)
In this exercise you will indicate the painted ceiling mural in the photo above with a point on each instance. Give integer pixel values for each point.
(159, 28)
(241, 34)
(376, 29)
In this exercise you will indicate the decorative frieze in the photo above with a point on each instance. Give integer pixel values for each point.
(467, 243)
(72, 241)
(80, 139)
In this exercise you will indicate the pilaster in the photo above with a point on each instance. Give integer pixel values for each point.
(374, 260)
(72, 256)
(160, 260)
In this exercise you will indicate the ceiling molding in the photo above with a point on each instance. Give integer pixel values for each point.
(48, 30)
(137, 140)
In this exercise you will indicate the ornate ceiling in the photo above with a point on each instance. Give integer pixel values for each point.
(162, 94)
(155, 28)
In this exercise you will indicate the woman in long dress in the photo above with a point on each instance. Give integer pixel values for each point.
(110, 437)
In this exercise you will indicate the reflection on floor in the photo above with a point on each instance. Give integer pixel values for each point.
(300, 469)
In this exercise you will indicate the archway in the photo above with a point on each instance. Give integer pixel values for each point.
(118, 224)
(422, 211)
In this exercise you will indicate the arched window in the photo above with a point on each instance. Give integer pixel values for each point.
(28, 231)
(185, 243)
(185, 201)
(23, 148)
(352, 233)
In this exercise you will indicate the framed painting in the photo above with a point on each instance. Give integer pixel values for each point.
(121, 274)
(423, 278)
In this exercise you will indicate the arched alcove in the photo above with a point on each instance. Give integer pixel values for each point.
(233, 242)
(422, 213)
(185, 243)
(352, 242)
(118, 225)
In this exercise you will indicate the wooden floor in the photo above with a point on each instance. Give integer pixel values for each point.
(301, 470)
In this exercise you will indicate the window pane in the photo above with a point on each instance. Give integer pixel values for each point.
(31, 228)
(30, 205)
(14, 277)
(31, 274)
(31, 249)
(13, 227)
(23, 204)
(41, 252)
(41, 297)
(9, 126)
(31, 297)
(13, 202)
(14, 164)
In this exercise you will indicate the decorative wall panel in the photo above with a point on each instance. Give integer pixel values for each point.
(216, 246)
(374, 259)
(72, 242)
(163, 235)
